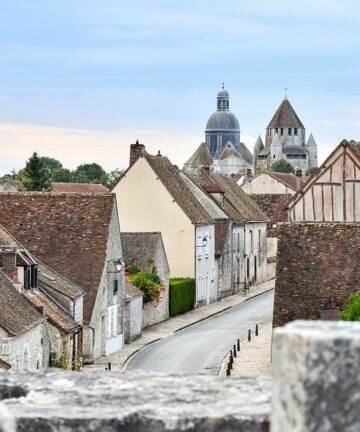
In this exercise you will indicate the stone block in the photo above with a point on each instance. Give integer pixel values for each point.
(316, 371)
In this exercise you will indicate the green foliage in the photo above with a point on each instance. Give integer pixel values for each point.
(61, 175)
(282, 166)
(148, 283)
(351, 311)
(50, 164)
(182, 295)
(36, 176)
(90, 173)
(113, 177)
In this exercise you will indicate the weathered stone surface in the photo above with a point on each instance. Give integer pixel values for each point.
(65, 402)
(316, 370)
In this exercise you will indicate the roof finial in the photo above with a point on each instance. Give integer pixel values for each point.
(285, 92)
(222, 85)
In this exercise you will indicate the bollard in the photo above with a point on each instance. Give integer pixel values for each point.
(228, 372)
(238, 344)
(234, 346)
(230, 364)
(109, 366)
(249, 335)
(257, 330)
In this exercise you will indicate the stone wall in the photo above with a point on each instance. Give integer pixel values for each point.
(317, 269)
(133, 318)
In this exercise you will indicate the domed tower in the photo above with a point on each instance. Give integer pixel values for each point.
(222, 126)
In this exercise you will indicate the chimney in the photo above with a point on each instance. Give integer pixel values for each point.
(8, 259)
(135, 151)
(248, 173)
(298, 175)
(206, 169)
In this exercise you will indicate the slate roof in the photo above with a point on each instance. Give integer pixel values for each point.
(237, 204)
(288, 179)
(55, 315)
(17, 314)
(142, 248)
(294, 150)
(171, 179)
(79, 187)
(264, 151)
(259, 145)
(201, 156)
(285, 117)
(68, 232)
(246, 153)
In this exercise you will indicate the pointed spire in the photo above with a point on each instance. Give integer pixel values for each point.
(311, 141)
(285, 117)
(276, 141)
(285, 93)
(259, 145)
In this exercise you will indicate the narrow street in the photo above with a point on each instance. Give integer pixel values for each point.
(201, 348)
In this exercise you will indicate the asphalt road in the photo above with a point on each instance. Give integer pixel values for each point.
(200, 349)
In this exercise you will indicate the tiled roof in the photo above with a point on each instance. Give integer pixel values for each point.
(287, 179)
(246, 153)
(171, 179)
(265, 151)
(68, 232)
(78, 187)
(294, 150)
(201, 156)
(4, 365)
(142, 248)
(46, 276)
(55, 315)
(355, 145)
(273, 205)
(237, 204)
(285, 117)
(221, 232)
(17, 315)
(228, 150)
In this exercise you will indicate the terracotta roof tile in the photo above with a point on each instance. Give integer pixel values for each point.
(78, 188)
(55, 315)
(68, 232)
(17, 314)
(171, 179)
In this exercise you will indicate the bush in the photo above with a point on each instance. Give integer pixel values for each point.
(148, 283)
(351, 311)
(182, 295)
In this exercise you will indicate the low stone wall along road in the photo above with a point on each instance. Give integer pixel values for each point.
(201, 348)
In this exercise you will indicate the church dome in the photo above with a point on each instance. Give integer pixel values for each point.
(223, 93)
(222, 121)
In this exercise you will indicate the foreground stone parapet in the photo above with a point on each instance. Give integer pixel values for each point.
(64, 402)
(316, 370)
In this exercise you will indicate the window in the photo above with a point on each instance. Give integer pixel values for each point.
(200, 288)
(238, 242)
(251, 241)
(282, 131)
(199, 245)
(295, 131)
(213, 274)
(274, 156)
(116, 286)
(276, 130)
(289, 131)
(259, 240)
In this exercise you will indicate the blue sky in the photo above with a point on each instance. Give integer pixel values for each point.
(81, 80)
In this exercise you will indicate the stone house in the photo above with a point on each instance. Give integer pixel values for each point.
(147, 251)
(41, 286)
(24, 340)
(333, 194)
(11, 186)
(78, 236)
(243, 239)
(152, 197)
(274, 183)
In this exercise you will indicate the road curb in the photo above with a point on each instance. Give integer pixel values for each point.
(134, 353)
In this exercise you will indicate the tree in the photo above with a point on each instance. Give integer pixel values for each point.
(92, 173)
(36, 177)
(50, 164)
(61, 175)
(113, 177)
(282, 166)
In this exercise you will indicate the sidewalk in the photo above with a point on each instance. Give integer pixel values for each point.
(254, 357)
(167, 328)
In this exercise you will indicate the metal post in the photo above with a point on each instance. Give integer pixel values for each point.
(234, 346)
(249, 335)
(109, 366)
(238, 344)
(228, 372)
(257, 330)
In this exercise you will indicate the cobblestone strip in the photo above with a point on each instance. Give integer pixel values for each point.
(172, 325)
(254, 357)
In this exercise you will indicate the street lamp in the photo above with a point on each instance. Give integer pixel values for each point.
(119, 263)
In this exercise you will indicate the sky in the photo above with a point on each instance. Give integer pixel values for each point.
(82, 80)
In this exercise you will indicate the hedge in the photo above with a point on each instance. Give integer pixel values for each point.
(181, 295)
(351, 311)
